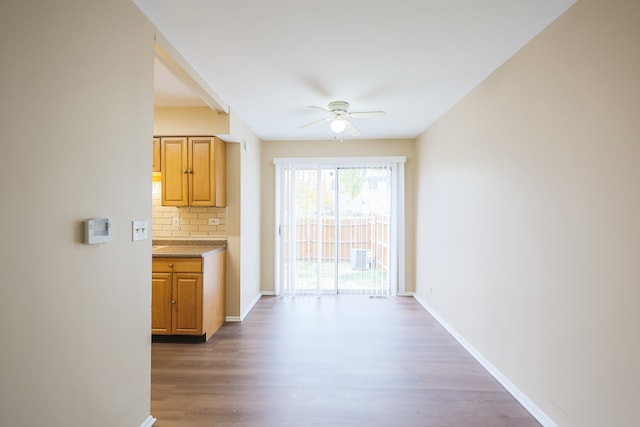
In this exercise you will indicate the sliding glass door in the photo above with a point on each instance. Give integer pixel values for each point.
(309, 209)
(337, 226)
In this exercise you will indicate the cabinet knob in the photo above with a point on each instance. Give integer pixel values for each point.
(173, 301)
(170, 265)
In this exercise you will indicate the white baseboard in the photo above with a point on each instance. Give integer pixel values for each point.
(245, 312)
(250, 306)
(268, 293)
(533, 409)
(148, 422)
(406, 294)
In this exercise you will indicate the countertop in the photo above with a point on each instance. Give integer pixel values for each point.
(186, 248)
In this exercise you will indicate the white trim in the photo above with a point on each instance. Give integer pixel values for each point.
(233, 319)
(533, 409)
(338, 161)
(268, 293)
(250, 306)
(400, 230)
(405, 294)
(148, 422)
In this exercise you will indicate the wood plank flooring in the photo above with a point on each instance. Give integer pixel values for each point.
(328, 361)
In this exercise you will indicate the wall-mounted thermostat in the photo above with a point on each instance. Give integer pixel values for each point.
(97, 230)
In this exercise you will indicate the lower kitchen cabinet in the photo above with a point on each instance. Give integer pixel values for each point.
(188, 296)
(161, 302)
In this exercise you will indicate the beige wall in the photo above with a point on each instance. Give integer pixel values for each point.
(528, 207)
(248, 153)
(332, 148)
(77, 100)
(185, 121)
(233, 231)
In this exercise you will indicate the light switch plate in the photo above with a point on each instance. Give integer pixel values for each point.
(139, 230)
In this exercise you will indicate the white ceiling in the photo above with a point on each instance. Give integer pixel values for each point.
(270, 60)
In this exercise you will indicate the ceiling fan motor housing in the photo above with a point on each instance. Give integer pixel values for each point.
(339, 107)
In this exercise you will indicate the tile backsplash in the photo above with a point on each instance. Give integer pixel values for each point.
(193, 222)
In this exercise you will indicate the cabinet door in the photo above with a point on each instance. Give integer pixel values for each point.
(156, 155)
(161, 288)
(202, 186)
(175, 167)
(186, 315)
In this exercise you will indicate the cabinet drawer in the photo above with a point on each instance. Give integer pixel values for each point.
(177, 265)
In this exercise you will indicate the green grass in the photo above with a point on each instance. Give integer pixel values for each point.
(374, 280)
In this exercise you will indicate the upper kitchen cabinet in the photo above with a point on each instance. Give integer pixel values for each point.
(194, 171)
(156, 155)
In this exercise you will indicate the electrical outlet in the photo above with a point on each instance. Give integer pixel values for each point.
(176, 220)
(138, 230)
(214, 221)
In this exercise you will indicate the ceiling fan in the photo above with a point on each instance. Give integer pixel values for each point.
(340, 117)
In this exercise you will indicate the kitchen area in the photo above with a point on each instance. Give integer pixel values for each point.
(188, 297)
(195, 226)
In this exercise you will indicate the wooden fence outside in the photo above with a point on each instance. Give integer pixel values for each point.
(365, 238)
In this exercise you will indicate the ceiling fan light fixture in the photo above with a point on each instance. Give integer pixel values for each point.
(340, 117)
(338, 125)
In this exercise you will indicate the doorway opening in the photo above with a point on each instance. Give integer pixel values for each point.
(337, 226)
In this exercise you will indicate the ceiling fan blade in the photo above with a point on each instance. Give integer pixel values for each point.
(353, 131)
(326, 119)
(319, 108)
(366, 114)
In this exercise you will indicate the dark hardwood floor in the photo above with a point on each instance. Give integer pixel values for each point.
(329, 361)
